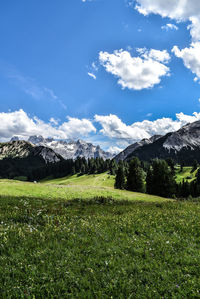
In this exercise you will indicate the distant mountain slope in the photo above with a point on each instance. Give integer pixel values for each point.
(21, 157)
(182, 145)
(131, 148)
(71, 149)
(24, 149)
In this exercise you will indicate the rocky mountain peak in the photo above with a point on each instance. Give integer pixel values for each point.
(36, 139)
(70, 149)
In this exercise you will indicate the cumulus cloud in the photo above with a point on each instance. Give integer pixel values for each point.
(139, 72)
(161, 56)
(20, 124)
(114, 133)
(114, 128)
(169, 26)
(179, 10)
(190, 57)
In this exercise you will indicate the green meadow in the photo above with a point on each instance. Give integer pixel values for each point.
(186, 174)
(78, 237)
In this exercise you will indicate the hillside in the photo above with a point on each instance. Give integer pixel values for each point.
(183, 146)
(107, 180)
(131, 148)
(98, 180)
(69, 191)
(20, 158)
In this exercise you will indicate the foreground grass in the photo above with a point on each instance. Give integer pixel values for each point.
(99, 248)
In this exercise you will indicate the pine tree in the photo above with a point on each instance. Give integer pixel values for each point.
(162, 182)
(83, 169)
(73, 170)
(120, 178)
(135, 177)
(149, 181)
(195, 165)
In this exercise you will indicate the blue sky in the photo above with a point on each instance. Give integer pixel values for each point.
(88, 69)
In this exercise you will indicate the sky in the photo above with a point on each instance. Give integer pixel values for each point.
(110, 72)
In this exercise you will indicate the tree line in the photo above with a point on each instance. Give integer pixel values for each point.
(33, 169)
(156, 178)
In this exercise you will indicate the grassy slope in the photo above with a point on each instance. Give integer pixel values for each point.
(106, 180)
(184, 174)
(54, 190)
(100, 180)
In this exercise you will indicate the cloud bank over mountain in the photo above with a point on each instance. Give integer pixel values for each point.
(118, 133)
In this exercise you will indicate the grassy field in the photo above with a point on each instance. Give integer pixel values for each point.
(61, 189)
(86, 240)
(99, 180)
(185, 174)
(106, 180)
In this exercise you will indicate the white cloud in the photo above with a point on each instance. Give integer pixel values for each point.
(114, 128)
(94, 66)
(114, 150)
(20, 124)
(169, 26)
(92, 75)
(190, 57)
(179, 10)
(114, 134)
(161, 56)
(54, 121)
(136, 72)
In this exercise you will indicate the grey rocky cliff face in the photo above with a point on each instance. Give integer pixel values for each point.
(71, 149)
(187, 137)
(23, 149)
(131, 148)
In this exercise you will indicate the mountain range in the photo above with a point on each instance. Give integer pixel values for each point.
(182, 145)
(69, 149)
(18, 156)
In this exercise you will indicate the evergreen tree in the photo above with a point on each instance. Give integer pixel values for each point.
(135, 177)
(194, 165)
(120, 178)
(162, 181)
(83, 169)
(171, 164)
(185, 189)
(149, 181)
(73, 170)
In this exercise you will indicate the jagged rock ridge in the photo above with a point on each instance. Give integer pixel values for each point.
(182, 145)
(23, 149)
(71, 149)
(131, 148)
